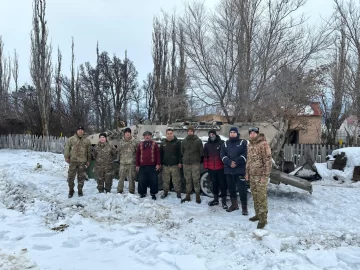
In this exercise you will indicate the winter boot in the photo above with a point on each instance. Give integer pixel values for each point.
(101, 190)
(71, 193)
(153, 196)
(186, 199)
(261, 224)
(254, 218)
(215, 201)
(244, 209)
(142, 195)
(164, 195)
(80, 193)
(198, 199)
(179, 195)
(234, 205)
(107, 190)
(223, 202)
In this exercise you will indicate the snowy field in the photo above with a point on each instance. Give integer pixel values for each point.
(40, 228)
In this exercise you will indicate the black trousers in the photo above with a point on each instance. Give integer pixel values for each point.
(148, 177)
(218, 180)
(238, 181)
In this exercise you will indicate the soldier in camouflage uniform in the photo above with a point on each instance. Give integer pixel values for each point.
(170, 155)
(258, 170)
(192, 151)
(78, 154)
(104, 154)
(127, 154)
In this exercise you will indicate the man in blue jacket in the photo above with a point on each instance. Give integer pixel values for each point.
(233, 153)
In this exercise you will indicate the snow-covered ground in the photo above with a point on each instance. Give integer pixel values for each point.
(353, 159)
(113, 231)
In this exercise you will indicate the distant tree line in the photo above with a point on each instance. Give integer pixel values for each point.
(248, 60)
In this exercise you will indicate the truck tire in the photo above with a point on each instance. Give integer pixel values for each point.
(205, 184)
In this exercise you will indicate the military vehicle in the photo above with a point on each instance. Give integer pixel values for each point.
(274, 132)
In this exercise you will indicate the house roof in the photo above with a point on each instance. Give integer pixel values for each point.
(315, 106)
(313, 109)
(351, 120)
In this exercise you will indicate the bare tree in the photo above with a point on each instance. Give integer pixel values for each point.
(180, 94)
(210, 45)
(5, 77)
(148, 88)
(158, 55)
(15, 70)
(138, 116)
(58, 81)
(40, 62)
(130, 84)
(349, 14)
(15, 73)
(335, 96)
(237, 51)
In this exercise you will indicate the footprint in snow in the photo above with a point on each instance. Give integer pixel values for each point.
(43, 234)
(102, 240)
(41, 247)
(71, 243)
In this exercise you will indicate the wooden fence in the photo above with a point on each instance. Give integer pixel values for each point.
(32, 142)
(296, 152)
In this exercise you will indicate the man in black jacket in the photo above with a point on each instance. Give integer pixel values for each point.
(170, 154)
(233, 154)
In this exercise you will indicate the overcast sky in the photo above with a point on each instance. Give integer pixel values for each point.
(118, 25)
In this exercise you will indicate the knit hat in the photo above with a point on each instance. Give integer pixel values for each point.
(235, 129)
(103, 134)
(191, 128)
(212, 131)
(81, 127)
(127, 130)
(254, 129)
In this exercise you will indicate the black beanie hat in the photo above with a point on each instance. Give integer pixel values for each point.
(212, 131)
(235, 129)
(127, 130)
(103, 134)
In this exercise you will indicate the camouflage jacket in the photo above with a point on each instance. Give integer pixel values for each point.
(104, 153)
(192, 150)
(259, 160)
(78, 149)
(127, 151)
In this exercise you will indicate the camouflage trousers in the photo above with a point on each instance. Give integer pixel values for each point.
(192, 177)
(259, 194)
(127, 171)
(78, 168)
(172, 172)
(104, 175)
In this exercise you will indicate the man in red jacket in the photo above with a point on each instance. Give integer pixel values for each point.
(147, 164)
(215, 167)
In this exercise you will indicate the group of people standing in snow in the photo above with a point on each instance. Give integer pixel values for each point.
(232, 163)
(229, 164)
